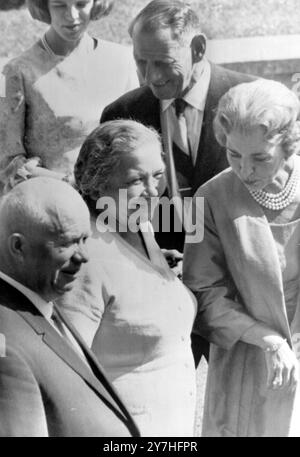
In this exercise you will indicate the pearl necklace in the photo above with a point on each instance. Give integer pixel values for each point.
(50, 50)
(47, 47)
(282, 199)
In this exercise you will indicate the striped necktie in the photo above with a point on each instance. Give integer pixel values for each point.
(181, 132)
(181, 150)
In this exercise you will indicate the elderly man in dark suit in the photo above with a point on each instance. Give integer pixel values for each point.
(182, 89)
(50, 382)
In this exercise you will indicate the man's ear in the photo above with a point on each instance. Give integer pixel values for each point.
(17, 246)
(198, 46)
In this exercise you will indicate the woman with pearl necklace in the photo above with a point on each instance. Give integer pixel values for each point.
(245, 272)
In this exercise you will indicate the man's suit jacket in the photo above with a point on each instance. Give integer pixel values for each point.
(46, 389)
(141, 105)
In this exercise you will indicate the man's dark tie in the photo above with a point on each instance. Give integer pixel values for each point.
(183, 162)
(180, 105)
(59, 325)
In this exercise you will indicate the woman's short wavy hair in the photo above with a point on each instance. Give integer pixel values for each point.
(39, 9)
(261, 103)
(100, 154)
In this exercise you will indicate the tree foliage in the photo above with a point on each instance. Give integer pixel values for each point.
(11, 4)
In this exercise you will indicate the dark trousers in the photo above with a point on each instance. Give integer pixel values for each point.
(200, 347)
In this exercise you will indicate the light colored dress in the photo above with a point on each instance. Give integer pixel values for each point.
(287, 240)
(51, 103)
(237, 276)
(142, 315)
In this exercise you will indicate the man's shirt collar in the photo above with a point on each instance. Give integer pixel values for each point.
(196, 96)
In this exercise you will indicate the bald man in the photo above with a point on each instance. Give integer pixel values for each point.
(50, 382)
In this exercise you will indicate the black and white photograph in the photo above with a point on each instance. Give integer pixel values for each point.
(149, 221)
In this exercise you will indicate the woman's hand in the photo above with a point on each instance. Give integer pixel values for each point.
(282, 366)
(174, 259)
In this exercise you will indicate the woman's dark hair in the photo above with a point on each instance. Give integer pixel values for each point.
(39, 9)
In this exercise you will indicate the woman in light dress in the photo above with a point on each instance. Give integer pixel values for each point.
(245, 272)
(128, 305)
(56, 90)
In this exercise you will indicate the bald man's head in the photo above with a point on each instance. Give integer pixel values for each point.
(44, 224)
(39, 202)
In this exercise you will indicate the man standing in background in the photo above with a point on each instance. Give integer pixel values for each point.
(182, 89)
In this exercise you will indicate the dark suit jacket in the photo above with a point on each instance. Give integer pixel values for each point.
(46, 389)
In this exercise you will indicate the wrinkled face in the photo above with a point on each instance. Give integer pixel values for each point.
(70, 18)
(256, 160)
(164, 63)
(55, 254)
(140, 173)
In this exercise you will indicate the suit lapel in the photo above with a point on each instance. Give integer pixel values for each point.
(98, 371)
(98, 382)
(210, 154)
(147, 109)
(67, 353)
(211, 157)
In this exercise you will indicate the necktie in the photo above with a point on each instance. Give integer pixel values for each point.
(68, 337)
(180, 105)
(58, 324)
(181, 150)
(181, 134)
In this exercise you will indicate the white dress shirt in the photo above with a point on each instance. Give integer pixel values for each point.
(193, 113)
